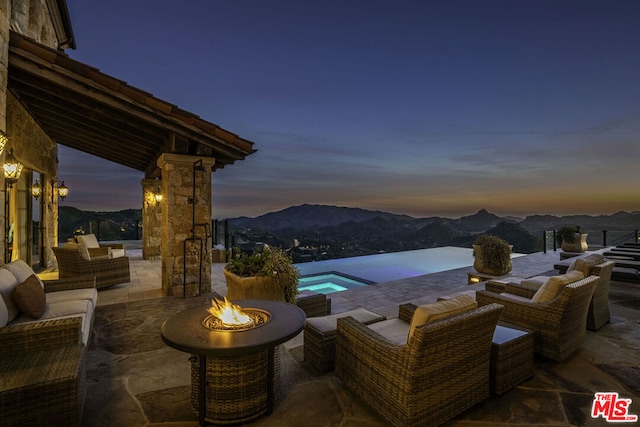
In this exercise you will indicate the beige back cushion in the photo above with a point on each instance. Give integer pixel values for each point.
(585, 263)
(440, 310)
(7, 283)
(552, 287)
(80, 247)
(88, 239)
(22, 271)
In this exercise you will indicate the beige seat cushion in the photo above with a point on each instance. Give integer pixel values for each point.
(395, 330)
(329, 324)
(554, 285)
(89, 294)
(439, 310)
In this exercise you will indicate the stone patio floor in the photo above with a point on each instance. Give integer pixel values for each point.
(134, 379)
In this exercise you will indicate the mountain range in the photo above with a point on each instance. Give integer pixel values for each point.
(334, 231)
(342, 231)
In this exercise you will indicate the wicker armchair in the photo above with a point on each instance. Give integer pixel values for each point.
(559, 325)
(440, 372)
(598, 314)
(108, 272)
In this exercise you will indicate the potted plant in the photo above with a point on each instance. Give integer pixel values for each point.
(492, 255)
(264, 274)
(570, 239)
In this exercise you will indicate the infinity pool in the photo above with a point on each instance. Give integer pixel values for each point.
(388, 267)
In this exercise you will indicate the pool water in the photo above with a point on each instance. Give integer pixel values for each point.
(326, 283)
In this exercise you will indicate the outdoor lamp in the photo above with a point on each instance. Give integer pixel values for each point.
(158, 198)
(3, 140)
(36, 190)
(12, 169)
(63, 190)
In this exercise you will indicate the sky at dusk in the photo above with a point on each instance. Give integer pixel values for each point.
(417, 107)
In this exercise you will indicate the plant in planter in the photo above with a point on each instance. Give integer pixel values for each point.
(570, 239)
(492, 255)
(264, 274)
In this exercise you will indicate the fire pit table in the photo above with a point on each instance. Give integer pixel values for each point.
(232, 371)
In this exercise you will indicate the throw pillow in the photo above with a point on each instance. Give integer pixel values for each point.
(552, 287)
(440, 310)
(30, 298)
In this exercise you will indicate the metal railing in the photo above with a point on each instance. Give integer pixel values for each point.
(620, 237)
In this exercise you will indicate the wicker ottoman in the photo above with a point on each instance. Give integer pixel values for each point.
(320, 336)
(511, 357)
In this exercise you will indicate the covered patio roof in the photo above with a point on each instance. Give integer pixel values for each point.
(80, 107)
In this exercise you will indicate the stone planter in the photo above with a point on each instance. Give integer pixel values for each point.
(255, 287)
(480, 267)
(579, 243)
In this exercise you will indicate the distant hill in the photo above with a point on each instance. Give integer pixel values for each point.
(121, 225)
(306, 216)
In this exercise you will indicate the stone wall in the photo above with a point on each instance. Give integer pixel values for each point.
(31, 146)
(186, 250)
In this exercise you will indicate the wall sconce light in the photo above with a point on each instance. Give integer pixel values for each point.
(63, 190)
(12, 169)
(3, 140)
(36, 190)
(152, 199)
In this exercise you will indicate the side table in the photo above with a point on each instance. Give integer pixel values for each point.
(511, 357)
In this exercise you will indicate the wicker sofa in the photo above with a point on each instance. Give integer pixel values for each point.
(441, 371)
(559, 325)
(42, 360)
(107, 271)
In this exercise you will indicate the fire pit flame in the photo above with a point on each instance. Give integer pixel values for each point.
(228, 313)
(226, 316)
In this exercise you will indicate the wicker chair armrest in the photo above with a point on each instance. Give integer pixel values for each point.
(80, 282)
(98, 253)
(40, 335)
(520, 290)
(112, 245)
(104, 263)
(405, 312)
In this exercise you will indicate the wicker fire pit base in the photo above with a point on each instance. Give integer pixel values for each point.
(237, 387)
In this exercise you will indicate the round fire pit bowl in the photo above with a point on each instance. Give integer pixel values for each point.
(258, 318)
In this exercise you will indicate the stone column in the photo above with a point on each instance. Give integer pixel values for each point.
(151, 218)
(186, 224)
